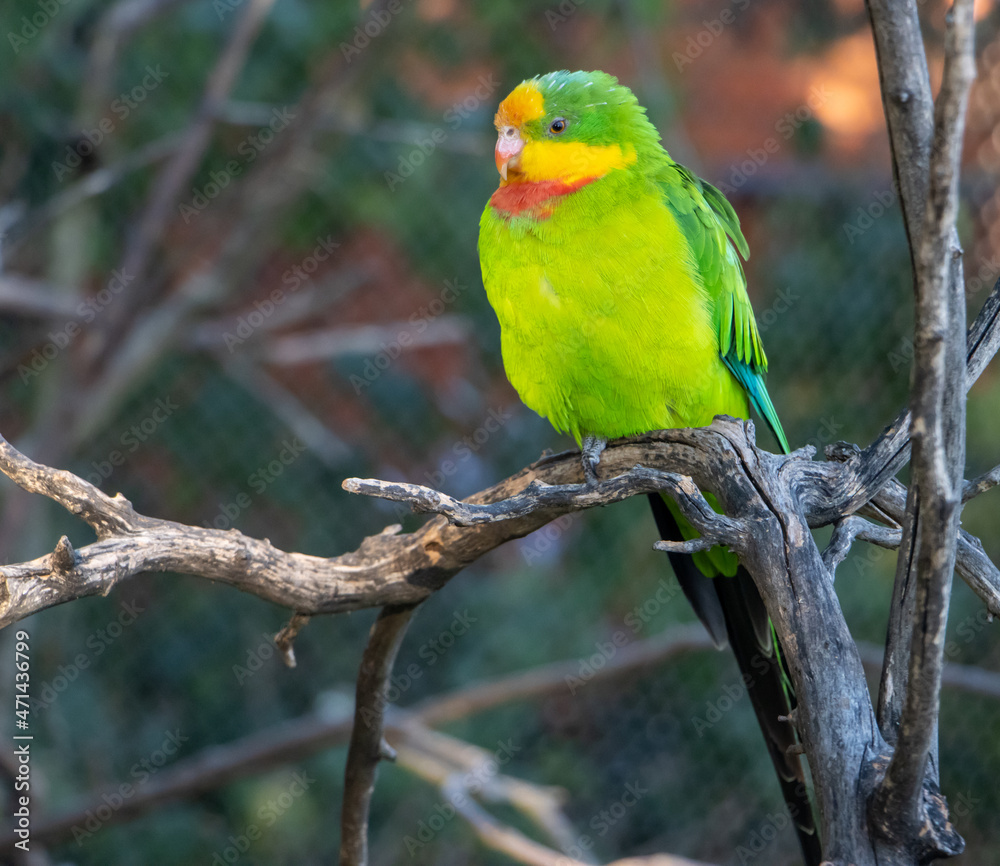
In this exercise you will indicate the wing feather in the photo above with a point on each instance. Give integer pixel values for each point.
(713, 231)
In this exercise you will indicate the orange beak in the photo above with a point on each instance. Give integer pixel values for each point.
(508, 149)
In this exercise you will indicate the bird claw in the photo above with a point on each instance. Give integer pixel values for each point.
(593, 446)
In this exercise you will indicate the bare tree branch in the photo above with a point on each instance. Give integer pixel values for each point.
(872, 467)
(980, 484)
(367, 746)
(389, 568)
(21, 296)
(903, 809)
(322, 442)
(335, 342)
(555, 676)
(276, 180)
(293, 741)
(445, 761)
(184, 162)
(852, 528)
(972, 563)
(296, 740)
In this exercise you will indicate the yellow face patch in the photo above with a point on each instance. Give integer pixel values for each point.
(551, 159)
(524, 104)
(571, 161)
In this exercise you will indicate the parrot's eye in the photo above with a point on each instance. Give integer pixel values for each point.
(557, 125)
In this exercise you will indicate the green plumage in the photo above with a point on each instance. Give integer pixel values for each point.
(623, 308)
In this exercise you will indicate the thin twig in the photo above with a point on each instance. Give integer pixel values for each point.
(367, 746)
(980, 484)
(972, 563)
(852, 528)
(440, 759)
(284, 640)
(513, 843)
(501, 837)
(539, 495)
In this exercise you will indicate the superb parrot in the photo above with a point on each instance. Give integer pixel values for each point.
(623, 308)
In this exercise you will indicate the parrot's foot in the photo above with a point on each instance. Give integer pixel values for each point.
(593, 446)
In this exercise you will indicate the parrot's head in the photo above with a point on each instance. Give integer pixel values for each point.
(570, 128)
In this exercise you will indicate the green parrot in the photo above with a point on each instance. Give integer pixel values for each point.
(623, 308)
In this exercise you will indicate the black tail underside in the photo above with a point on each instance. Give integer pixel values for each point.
(733, 611)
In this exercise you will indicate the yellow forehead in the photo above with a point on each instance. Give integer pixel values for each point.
(525, 103)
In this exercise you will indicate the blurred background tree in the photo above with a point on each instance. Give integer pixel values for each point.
(239, 264)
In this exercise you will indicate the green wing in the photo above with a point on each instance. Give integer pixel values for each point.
(713, 230)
